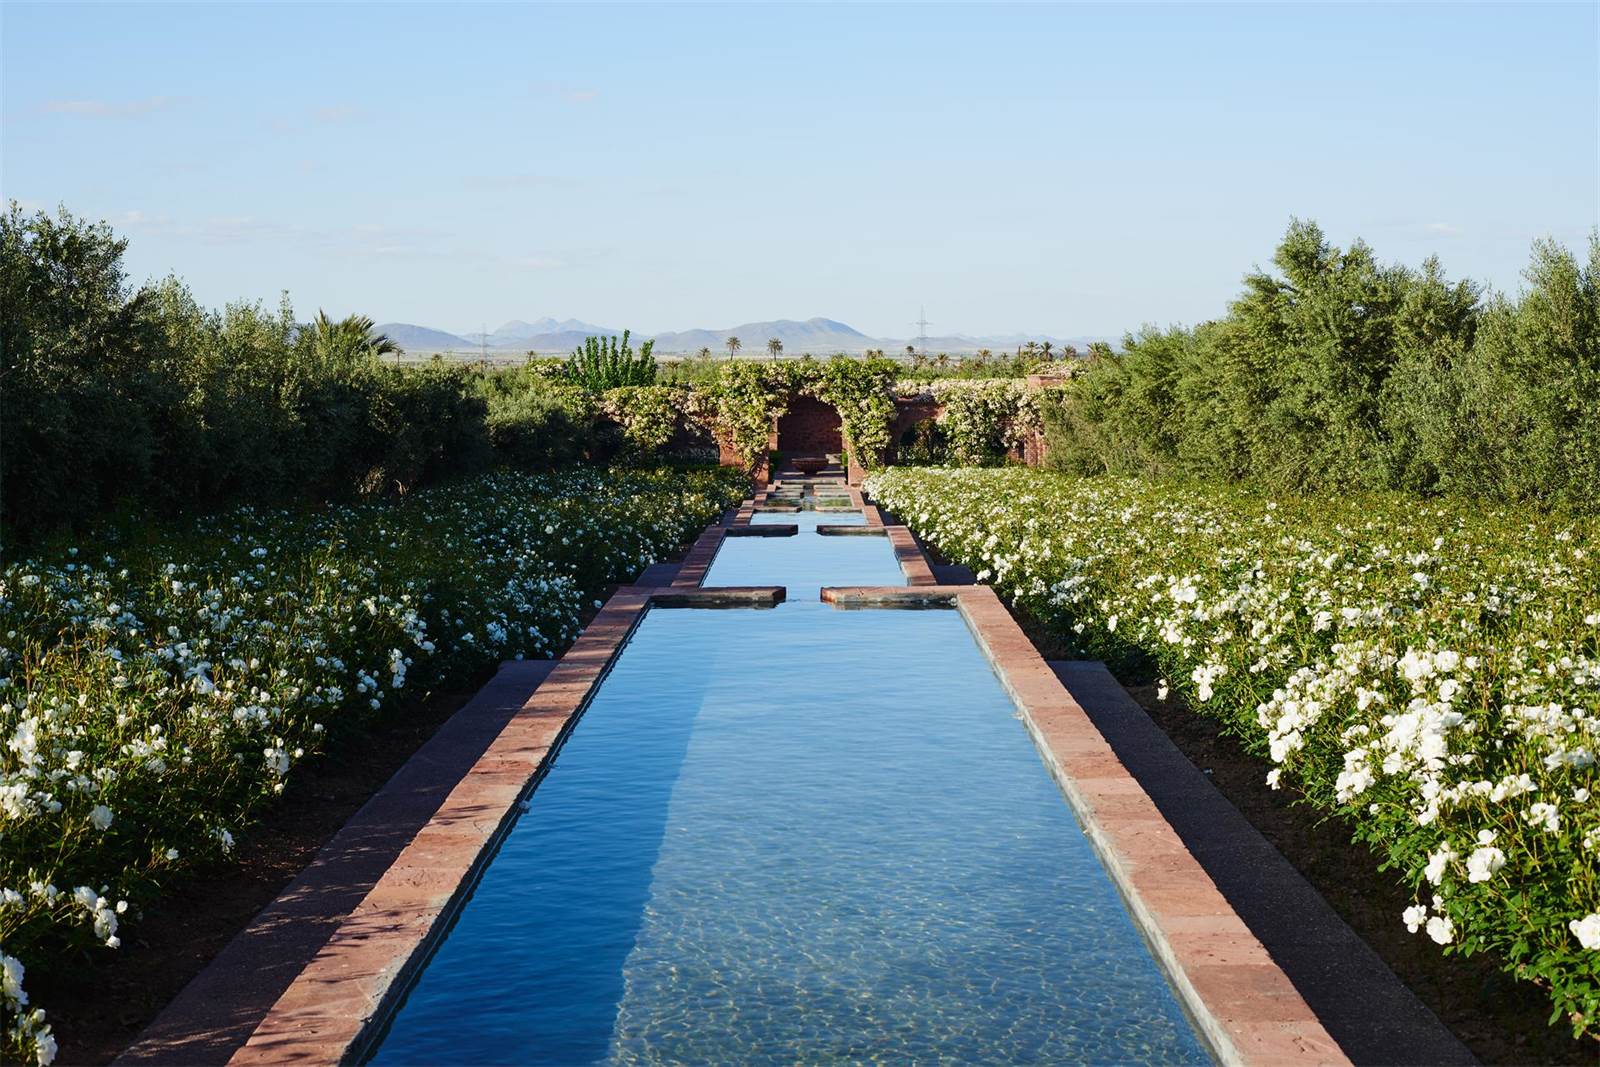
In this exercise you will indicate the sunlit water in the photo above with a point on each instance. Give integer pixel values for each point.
(793, 836)
(807, 561)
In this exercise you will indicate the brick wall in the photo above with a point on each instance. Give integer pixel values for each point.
(809, 427)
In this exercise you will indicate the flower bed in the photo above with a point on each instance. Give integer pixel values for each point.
(157, 689)
(1430, 671)
(981, 419)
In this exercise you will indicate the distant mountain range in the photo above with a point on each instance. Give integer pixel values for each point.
(818, 336)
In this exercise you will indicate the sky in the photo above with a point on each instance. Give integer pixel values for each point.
(1068, 169)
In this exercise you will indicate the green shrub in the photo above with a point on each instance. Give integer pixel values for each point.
(81, 367)
(118, 396)
(603, 363)
(427, 424)
(647, 415)
(537, 423)
(923, 445)
(1338, 373)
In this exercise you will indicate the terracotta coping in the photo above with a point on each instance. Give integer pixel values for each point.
(328, 1011)
(692, 571)
(1241, 1002)
(889, 596)
(720, 596)
(910, 556)
(1363, 1006)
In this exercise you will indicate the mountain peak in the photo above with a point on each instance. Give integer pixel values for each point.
(814, 336)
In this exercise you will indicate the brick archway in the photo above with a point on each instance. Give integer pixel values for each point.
(809, 427)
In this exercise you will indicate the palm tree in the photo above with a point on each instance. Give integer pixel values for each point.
(733, 346)
(774, 346)
(984, 354)
(911, 350)
(348, 343)
(705, 353)
(1045, 347)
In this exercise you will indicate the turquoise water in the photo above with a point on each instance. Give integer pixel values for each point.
(794, 836)
(807, 561)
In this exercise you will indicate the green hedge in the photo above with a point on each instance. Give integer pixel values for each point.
(1340, 373)
(115, 395)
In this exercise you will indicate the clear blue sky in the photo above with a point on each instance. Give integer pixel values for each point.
(1069, 169)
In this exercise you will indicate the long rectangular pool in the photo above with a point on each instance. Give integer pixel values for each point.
(794, 835)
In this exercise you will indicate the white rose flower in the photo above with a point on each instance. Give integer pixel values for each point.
(1587, 931)
(1483, 863)
(1438, 863)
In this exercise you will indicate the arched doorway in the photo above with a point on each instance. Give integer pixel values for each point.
(809, 428)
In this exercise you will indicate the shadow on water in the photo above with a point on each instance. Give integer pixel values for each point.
(538, 951)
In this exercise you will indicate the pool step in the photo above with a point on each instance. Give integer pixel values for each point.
(831, 530)
(725, 596)
(770, 529)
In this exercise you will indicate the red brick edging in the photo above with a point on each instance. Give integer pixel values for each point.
(692, 571)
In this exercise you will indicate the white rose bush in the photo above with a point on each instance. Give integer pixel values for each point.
(1429, 670)
(158, 689)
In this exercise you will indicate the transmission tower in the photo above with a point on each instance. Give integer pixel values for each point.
(922, 325)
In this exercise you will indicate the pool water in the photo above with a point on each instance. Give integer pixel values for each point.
(807, 561)
(797, 835)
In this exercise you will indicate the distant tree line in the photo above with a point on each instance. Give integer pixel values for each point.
(1336, 372)
(116, 396)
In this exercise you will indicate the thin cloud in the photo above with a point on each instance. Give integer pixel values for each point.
(514, 181)
(572, 94)
(535, 263)
(111, 109)
(239, 229)
(1442, 229)
(335, 113)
